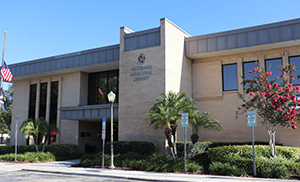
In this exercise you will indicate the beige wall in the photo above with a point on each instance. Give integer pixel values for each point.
(73, 91)
(136, 98)
(207, 84)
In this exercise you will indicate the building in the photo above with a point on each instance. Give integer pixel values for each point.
(64, 88)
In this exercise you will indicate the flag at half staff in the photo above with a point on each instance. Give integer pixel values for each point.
(5, 73)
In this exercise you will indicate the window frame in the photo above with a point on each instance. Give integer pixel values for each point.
(237, 85)
(299, 67)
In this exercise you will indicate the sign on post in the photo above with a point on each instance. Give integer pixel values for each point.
(251, 117)
(103, 138)
(185, 120)
(103, 127)
(185, 124)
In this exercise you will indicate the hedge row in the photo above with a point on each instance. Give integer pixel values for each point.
(237, 160)
(123, 147)
(60, 151)
(136, 161)
(30, 157)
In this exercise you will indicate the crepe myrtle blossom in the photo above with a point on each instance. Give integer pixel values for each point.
(275, 103)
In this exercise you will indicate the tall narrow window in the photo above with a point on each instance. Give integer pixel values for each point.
(53, 103)
(272, 65)
(296, 61)
(53, 109)
(32, 101)
(230, 81)
(249, 66)
(43, 100)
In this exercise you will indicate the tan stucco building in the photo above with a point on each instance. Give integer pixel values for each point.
(64, 88)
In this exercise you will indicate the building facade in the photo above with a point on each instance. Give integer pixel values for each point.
(63, 89)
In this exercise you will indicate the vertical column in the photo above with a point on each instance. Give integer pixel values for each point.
(48, 100)
(38, 95)
(285, 58)
(261, 60)
(60, 82)
(240, 72)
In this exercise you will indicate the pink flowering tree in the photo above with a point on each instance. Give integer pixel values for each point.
(275, 103)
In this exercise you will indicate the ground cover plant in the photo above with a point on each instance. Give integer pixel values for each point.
(60, 151)
(237, 160)
(29, 157)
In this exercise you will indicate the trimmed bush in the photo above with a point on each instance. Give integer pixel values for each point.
(285, 164)
(30, 157)
(60, 151)
(225, 169)
(136, 161)
(122, 147)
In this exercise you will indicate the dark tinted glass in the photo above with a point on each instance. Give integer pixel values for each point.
(43, 100)
(249, 66)
(32, 101)
(53, 103)
(107, 81)
(296, 61)
(272, 65)
(230, 81)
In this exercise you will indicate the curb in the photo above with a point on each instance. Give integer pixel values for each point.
(99, 175)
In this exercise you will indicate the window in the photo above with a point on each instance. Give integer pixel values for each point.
(53, 109)
(296, 61)
(43, 100)
(246, 67)
(32, 101)
(230, 80)
(107, 81)
(272, 65)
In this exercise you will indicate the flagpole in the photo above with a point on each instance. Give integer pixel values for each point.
(3, 54)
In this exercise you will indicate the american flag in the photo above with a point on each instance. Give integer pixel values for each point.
(100, 92)
(5, 73)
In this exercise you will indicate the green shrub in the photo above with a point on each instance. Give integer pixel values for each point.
(225, 169)
(200, 148)
(60, 151)
(285, 164)
(122, 147)
(136, 161)
(180, 148)
(30, 157)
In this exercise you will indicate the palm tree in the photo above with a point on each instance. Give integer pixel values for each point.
(36, 127)
(166, 112)
(203, 121)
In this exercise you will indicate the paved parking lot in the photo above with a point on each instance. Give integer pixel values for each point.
(40, 176)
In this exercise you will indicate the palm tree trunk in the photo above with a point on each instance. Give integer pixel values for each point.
(168, 134)
(45, 143)
(35, 144)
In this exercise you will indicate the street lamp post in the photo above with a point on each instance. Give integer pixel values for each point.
(111, 98)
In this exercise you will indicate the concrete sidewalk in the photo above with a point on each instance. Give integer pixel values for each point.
(64, 167)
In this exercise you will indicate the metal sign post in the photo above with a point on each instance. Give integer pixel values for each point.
(184, 124)
(103, 138)
(16, 139)
(251, 117)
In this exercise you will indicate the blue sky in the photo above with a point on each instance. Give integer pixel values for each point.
(37, 29)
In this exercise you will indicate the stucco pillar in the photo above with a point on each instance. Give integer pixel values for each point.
(261, 60)
(58, 124)
(285, 58)
(48, 100)
(37, 103)
(240, 72)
